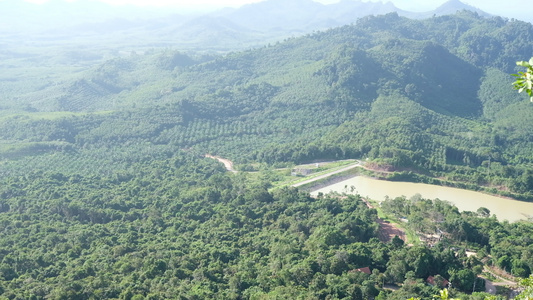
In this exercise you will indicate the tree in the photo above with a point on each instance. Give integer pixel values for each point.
(463, 280)
(397, 242)
(527, 293)
(524, 81)
(444, 295)
(483, 212)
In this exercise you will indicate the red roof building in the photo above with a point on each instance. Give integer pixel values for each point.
(365, 270)
(431, 281)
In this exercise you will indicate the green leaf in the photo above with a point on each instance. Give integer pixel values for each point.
(523, 64)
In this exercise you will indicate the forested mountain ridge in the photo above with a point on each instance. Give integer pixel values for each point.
(428, 94)
(116, 28)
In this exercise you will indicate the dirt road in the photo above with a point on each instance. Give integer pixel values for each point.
(227, 163)
(501, 280)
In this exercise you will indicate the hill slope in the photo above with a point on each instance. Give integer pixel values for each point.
(105, 192)
(290, 101)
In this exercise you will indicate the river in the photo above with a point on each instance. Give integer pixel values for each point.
(465, 200)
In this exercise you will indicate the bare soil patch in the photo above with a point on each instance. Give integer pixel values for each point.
(387, 231)
(227, 163)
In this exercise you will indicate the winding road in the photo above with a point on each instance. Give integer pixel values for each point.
(227, 163)
(229, 166)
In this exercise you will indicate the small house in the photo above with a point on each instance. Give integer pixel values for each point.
(365, 270)
(437, 280)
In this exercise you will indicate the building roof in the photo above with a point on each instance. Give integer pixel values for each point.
(431, 280)
(365, 270)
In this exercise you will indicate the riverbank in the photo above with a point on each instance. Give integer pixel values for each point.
(415, 177)
(464, 200)
(409, 176)
(340, 173)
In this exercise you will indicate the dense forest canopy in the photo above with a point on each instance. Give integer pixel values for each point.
(105, 193)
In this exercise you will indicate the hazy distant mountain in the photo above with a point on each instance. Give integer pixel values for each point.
(17, 16)
(227, 29)
(276, 14)
(216, 33)
(303, 15)
(447, 8)
(452, 6)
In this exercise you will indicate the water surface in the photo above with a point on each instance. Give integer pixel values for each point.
(465, 200)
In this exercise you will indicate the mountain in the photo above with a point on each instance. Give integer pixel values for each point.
(276, 14)
(106, 191)
(307, 15)
(251, 25)
(453, 6)
(33, 18)
(447, 8)
(297, 100)
(303, 15)
(417, 94)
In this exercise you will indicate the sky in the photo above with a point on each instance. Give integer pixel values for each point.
(519, 9)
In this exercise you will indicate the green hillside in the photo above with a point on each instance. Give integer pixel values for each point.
(105, 193)
(413, 94)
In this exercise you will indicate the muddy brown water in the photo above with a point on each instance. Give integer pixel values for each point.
(465, 200)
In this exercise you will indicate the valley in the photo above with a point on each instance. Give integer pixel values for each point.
(181, 157)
